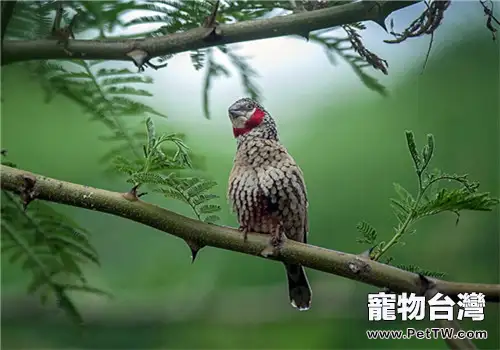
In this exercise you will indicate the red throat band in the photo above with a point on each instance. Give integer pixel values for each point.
(255, 120)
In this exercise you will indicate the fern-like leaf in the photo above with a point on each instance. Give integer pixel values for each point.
(51, 247)
(368, 232)
(150, 170)
(456, 200)
(213, 69)
(341, 47)
(419, 270)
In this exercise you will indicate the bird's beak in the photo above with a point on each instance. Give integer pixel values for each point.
(235, 113)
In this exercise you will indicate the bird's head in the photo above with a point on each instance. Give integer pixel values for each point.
(247, 115)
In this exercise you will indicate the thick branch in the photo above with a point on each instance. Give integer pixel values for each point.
(343, 264)
(300, 23)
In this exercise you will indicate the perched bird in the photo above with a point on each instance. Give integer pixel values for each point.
(267, 190)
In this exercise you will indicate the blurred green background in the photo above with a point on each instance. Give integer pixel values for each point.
(351, 147)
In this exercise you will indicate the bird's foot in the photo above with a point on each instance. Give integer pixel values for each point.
(274, 247)
(245, 231)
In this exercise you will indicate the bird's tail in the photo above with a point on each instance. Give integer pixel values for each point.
(298, 287)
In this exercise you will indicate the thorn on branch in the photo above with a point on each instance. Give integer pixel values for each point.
(132, 194)
(488, 11)
(358, 46)
(367, 254)
(139, 57)
(381, 22)
(305, 35)
(426, 23)
(214, 31)
(28, 193)
(380, 19)
(427, 287)
(142, 59)
(195, 248)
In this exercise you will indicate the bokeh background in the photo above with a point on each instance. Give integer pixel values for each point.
(351, 146)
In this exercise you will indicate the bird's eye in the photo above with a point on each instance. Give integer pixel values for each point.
(248, 106)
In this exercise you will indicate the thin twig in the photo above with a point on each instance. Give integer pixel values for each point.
(491, 18)
(426, 23)
(430, 45)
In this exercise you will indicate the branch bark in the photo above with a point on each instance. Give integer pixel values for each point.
(298, 24)
(342, 264)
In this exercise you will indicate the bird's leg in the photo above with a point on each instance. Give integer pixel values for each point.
(245, 231)
(275, 243)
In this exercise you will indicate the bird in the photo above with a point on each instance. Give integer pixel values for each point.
(267, 190)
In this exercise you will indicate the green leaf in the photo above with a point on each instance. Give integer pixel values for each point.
(428, 151)
(455, 200)
(121, 80)
(369, 233)
(66, 304)
(211, 219)
(107, 72)
(50, 246)
(7, 163)
(148, 178)
(412, 147)
(334, 46)
(400, 209)
(199, 187)
(247, 73)
(73, 246)
(419, 270)
(87, 289)
(407, 198)
(198, 58)
(124, 165)
(173, 193)
(151, 134)
(213, 70)
(202, 198)
(126, 90)
(209, 209)
(40, 279)
(15, 256)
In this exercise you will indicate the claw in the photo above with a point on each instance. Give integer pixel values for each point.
(273, 248)
(245, 231)
(275, 244)
(268, 251)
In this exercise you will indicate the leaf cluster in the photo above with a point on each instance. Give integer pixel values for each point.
(32, 20)
(431, 198)
(157, 169)
(349, 48)
(52, 248)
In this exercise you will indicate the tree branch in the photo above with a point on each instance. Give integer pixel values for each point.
(343, 264)
(294, 24)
